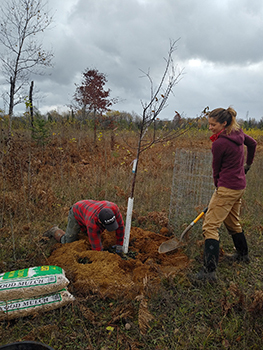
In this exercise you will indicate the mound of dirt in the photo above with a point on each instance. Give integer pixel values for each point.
(117, 276)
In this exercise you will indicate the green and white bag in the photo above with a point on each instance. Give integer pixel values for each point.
(31, 282)
(24, 307)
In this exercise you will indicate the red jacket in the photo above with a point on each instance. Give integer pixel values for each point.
(86, 213)
(228, 159)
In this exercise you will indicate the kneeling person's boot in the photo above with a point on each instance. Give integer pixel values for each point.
(51, 231)
(240, 244)
(211, 256)
(54, 232)
(58, 235)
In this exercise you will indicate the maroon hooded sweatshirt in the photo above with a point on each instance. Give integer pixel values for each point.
(228, 159)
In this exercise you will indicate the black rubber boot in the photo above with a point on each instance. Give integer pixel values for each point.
(240, 244)
(211, 256)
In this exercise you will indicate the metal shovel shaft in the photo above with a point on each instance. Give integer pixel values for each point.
(193, 223)
(173, 243)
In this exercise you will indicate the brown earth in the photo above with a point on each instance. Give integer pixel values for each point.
(114, 276)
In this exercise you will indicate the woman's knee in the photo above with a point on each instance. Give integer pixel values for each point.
(211, 234)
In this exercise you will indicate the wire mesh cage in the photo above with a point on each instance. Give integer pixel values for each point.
(192, 186)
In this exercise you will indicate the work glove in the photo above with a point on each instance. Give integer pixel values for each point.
(117, 248)
(246, 168)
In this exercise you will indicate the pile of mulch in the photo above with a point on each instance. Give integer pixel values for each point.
(114, 276)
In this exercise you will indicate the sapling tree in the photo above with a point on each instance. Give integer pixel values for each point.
(40, 130)
(22, 54)
(150, 112)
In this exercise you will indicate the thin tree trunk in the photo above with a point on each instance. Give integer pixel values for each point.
(31, 105)
(95, 127)
(137, 160)
(10, 114)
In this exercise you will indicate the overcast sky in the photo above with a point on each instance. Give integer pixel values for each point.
(219, 49)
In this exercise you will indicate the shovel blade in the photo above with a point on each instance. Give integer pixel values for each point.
(173, 243)
(169, 246)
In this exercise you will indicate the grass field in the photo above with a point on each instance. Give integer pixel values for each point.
(40, 183)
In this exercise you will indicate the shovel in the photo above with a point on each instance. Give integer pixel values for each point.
(173, 243)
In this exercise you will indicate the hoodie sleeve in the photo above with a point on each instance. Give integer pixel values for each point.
(251, 145)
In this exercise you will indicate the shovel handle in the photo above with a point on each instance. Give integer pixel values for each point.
(193, 222)
(199, 216)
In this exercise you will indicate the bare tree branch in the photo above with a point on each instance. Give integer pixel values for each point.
(153, 108)
(21, 23)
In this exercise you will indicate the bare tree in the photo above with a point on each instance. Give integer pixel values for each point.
(21, 23)
(150, 112)
(153, 108)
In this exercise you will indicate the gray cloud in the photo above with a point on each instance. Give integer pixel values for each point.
(219, 47)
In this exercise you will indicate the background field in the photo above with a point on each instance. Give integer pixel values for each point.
(38, 185)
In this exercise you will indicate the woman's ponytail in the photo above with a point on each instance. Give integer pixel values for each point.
(228, 115)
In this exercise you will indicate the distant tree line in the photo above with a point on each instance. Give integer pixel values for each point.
(251, 123)
(115, 119)
(111, 120)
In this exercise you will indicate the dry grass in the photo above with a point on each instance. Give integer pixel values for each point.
(38, 185)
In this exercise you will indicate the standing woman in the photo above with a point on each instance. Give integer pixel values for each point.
(230, 182)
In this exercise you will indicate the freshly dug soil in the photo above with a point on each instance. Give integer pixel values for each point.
(112, 275)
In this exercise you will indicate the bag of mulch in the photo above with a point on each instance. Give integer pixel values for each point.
(23, 307)
(31, 282)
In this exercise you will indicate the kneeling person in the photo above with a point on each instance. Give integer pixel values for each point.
(91, 217)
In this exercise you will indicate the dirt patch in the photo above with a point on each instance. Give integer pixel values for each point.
(112, 275)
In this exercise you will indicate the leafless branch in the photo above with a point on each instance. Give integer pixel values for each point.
(21, 23)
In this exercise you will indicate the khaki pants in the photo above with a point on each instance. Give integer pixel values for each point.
(224, 207)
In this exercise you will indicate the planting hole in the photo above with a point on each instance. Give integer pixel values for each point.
(84, 261)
